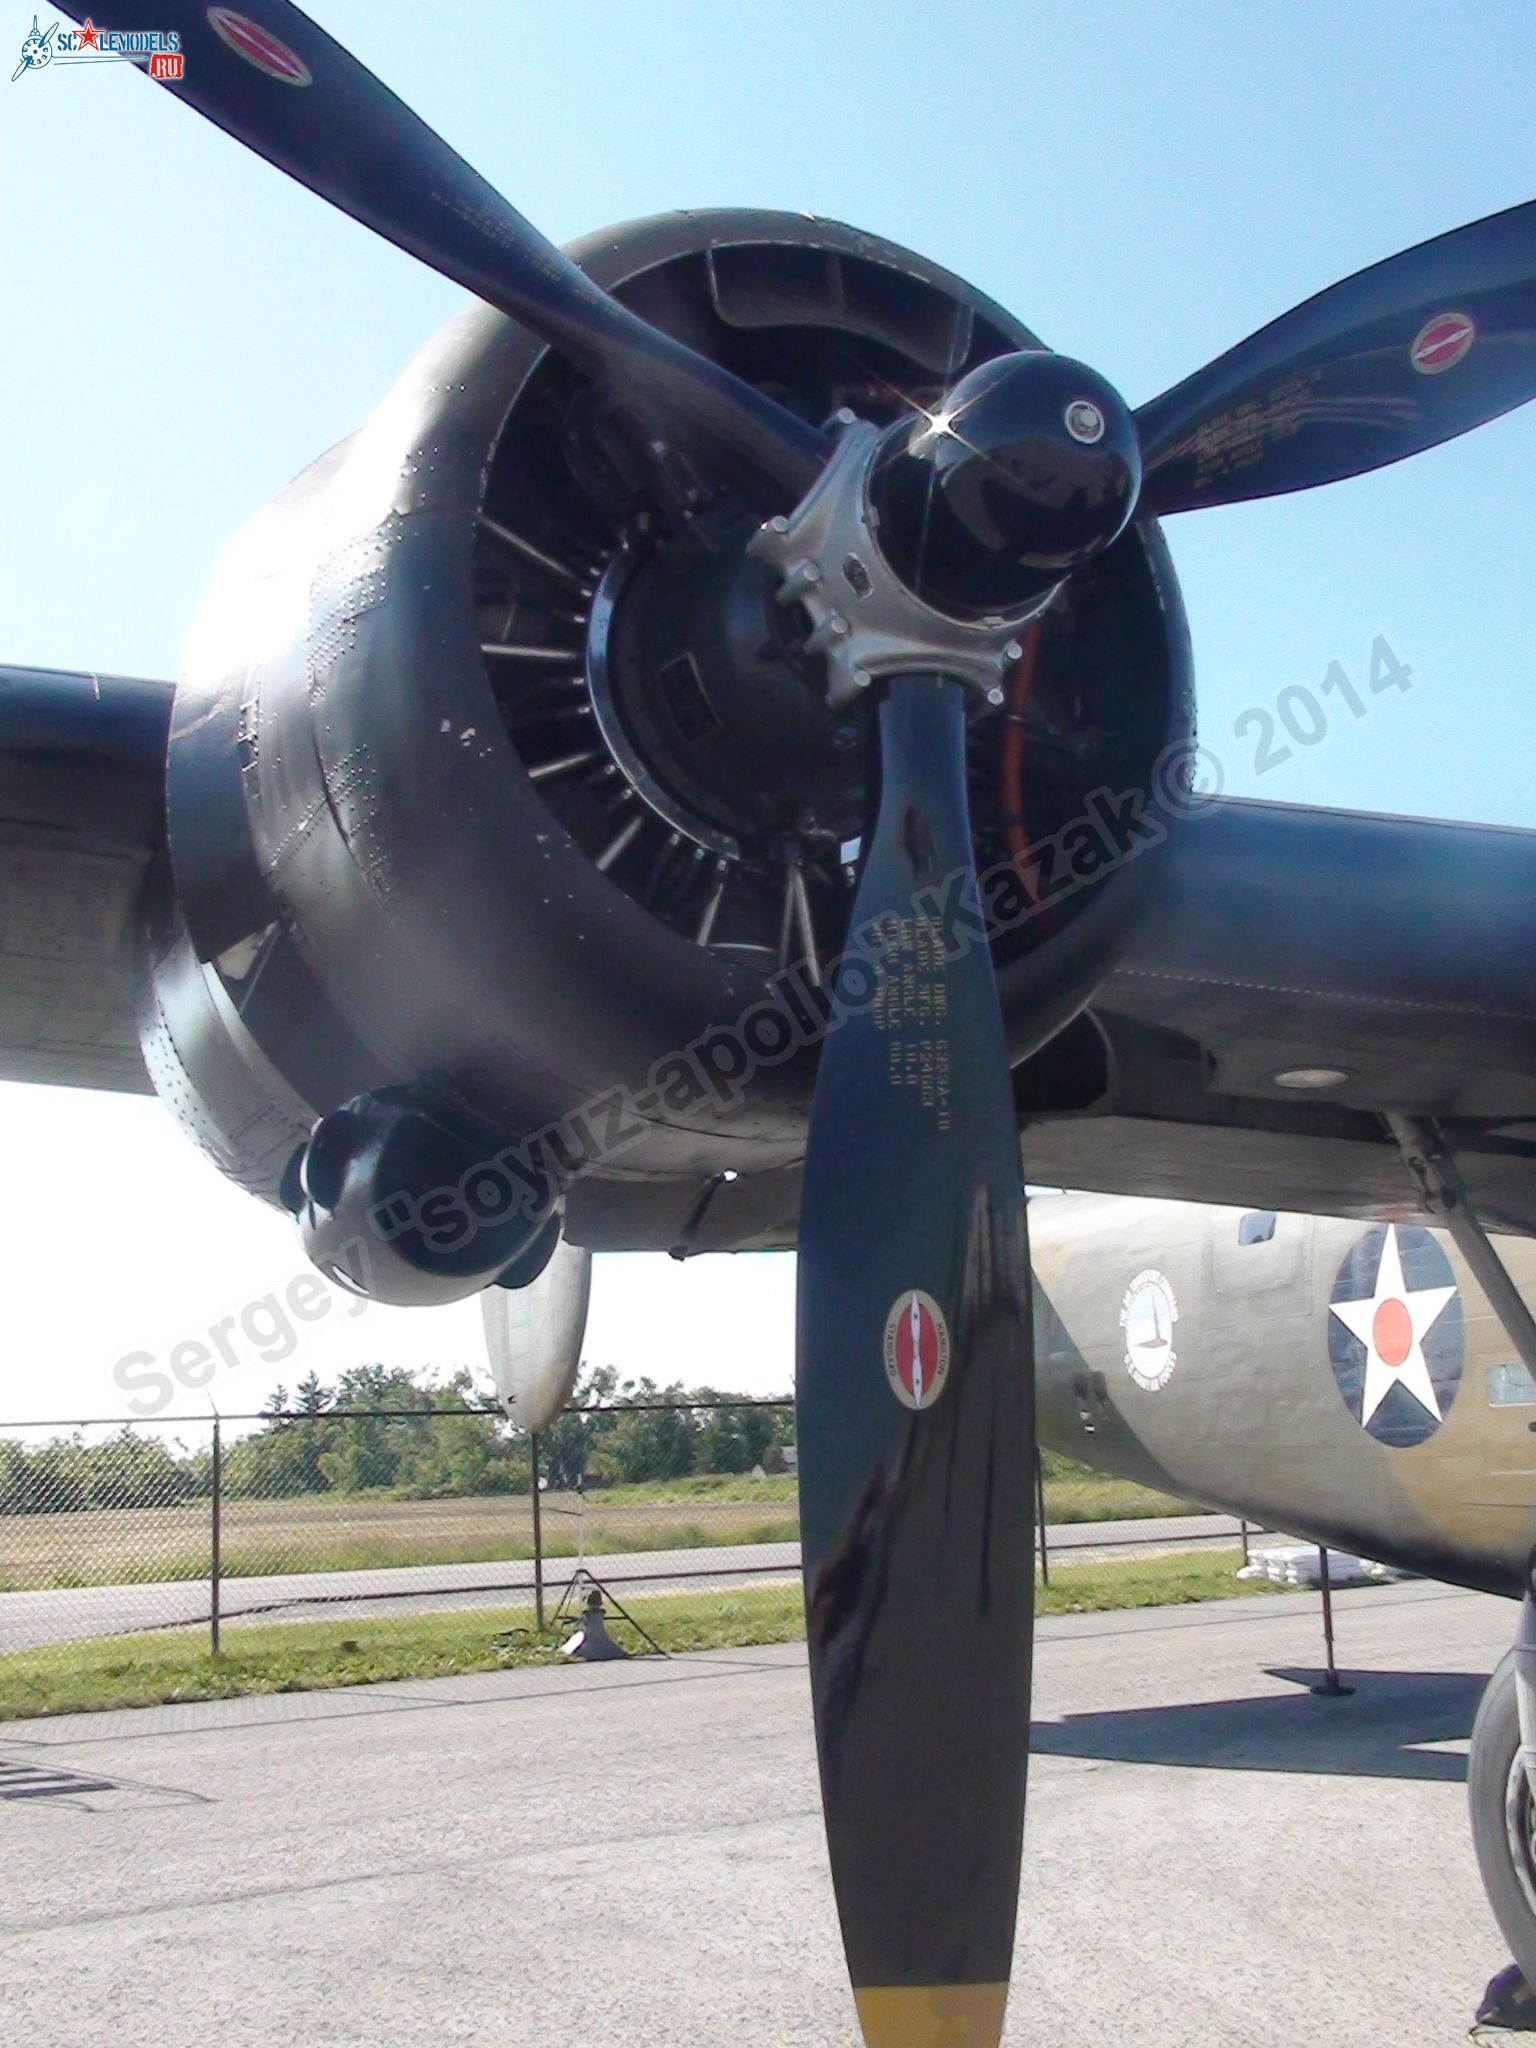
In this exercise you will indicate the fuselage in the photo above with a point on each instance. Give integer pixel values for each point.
(1347, 1381)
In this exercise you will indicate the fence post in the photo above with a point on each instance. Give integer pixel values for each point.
(1242, 1530)
(1045, 1561)
(538, 1530)
(216, 1543)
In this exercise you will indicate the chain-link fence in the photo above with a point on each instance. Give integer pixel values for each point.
(119, 1536)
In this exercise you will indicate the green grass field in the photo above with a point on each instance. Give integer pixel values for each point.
(362, 1532)
(153, 1669)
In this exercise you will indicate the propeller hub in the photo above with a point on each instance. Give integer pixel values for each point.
(1029, 468)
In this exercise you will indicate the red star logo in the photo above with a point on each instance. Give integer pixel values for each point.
(88, 38)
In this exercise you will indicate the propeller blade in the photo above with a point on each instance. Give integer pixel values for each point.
(272, 78)
(534, 1335)
(1400, 357)
(915, 1395)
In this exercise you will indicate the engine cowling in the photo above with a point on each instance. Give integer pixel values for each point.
(498, 778)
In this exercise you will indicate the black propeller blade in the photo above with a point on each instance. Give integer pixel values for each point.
(278, 83)
(915, 1391)
(1397, 358)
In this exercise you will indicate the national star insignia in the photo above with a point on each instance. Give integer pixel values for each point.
(1392, 1324)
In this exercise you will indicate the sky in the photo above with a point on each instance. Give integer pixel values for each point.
(1142, 185)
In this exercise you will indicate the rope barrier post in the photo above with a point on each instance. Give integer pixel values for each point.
(1329, 1688)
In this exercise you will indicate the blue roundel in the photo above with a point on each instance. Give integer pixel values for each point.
(1395, 1334)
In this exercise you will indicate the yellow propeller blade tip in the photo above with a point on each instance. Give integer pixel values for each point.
(932, 2015)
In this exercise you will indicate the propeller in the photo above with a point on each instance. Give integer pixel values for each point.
(987, 504)
(915, 1384)
(273, 79)
(533, 1337)
(1395, 359)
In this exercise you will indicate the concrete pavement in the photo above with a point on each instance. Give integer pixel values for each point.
(631, 1856)
(68, 1614)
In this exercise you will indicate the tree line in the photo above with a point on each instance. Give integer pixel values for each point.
(462, 1446)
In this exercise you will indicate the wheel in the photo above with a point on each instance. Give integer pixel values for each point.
(1504, 1816)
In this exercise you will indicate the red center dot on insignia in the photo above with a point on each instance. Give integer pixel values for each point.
(1392, 1332)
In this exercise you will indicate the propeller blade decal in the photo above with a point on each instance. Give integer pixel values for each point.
(1400, 357)
(915, 1396)
(272, 78)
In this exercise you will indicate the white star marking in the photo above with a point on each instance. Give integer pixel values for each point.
(1404, 1366)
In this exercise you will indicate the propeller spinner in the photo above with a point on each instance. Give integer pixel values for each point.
(1028, 469)
(915, 1382)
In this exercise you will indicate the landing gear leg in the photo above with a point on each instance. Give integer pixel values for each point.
(1430, 1160)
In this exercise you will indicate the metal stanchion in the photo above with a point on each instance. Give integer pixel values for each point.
(1045, 1561)
(216, 1541)
(1242, 1531)
(538, 1532)
(1329, 1687)
(581, 1579)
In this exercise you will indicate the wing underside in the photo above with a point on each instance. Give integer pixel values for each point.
(1398, 952)
(81, 819)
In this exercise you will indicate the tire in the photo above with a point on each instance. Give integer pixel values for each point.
(1504, 1817)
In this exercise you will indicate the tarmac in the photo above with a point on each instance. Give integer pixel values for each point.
(631, 1856)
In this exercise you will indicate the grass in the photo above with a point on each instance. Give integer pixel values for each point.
(698, 1486)
(154, 1669)
(146, 1670)
(363, 1532)
(1175, 1581)
(371, 1532)
(1083, 1496)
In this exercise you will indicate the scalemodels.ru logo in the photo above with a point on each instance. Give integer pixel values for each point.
(158, 50)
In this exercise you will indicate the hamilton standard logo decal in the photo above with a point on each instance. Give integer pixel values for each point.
(916, 1349)
(258, 46)
(1441, 343)
(1147, 1316)
(1395, 1335)
(1084, 420)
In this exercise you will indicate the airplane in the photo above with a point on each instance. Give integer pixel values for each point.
(710, 765)
(1346, 1380)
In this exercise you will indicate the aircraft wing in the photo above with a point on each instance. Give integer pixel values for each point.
(1398, 952)
(82, 781)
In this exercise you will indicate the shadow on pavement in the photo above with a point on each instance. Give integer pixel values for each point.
(1377, 1733)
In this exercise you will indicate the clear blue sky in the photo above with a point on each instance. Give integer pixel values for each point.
(1143, 184)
